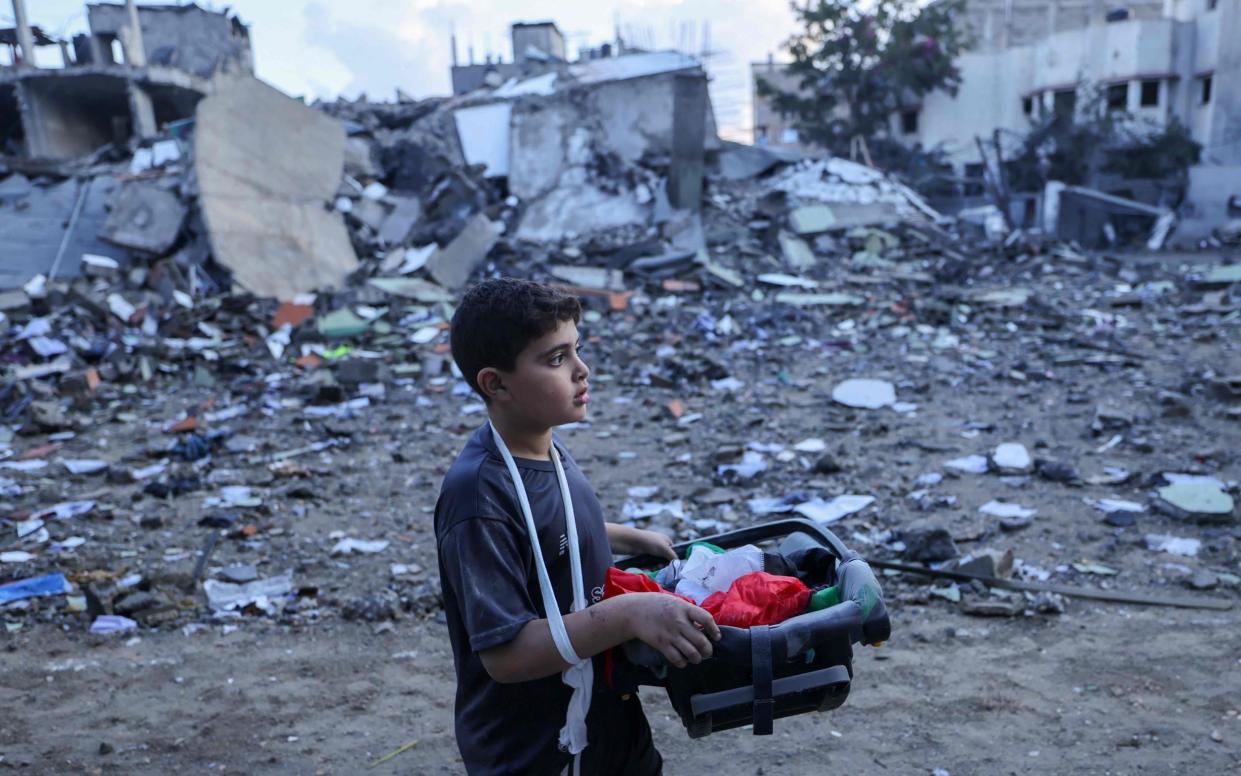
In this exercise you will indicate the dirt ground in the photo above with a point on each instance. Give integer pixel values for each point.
(1099, 689)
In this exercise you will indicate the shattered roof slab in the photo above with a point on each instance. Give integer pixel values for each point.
(264, 186)
(632, 66)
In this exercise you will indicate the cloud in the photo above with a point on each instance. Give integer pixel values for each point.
(385, 46)
(375, 47)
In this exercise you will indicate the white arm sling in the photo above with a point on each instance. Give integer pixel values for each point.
(580, 673)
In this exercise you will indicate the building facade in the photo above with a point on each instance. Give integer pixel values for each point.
(1157, 60)
(137, 68)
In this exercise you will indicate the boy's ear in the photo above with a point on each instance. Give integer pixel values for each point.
(490, 382)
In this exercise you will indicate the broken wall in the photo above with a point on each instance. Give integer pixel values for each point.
(1206, 201)
(34, 222)
(264, 188)
(186, 37)
(68, 116)
(556, 167)
(636, 115)
(574, 156)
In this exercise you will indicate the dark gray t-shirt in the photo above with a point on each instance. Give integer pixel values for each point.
(491, 590)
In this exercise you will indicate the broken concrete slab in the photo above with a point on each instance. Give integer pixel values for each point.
(1200, 501)
(342, 323)
(145, 217)
(864, 393)
(590, 277)
(412, 288)
(367, 211)
(400, 222)
(452, 265)
(1222, 276)
(796, 252)
(832, 299)
(741, 162)
(812, 219)
(264, 188)
(39, 235)
(1012, 458)
(579, 209)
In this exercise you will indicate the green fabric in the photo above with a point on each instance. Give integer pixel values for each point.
(825, 598)
(690, 550)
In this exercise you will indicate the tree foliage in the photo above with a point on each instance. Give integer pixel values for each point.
(855, 64)
(1076, 147)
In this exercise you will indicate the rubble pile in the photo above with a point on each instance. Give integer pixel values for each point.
(235, 397)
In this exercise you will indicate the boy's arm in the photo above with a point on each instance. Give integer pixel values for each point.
(680, 631)
(626, 540)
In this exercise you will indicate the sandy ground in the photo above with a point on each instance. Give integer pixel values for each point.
(1099, 690)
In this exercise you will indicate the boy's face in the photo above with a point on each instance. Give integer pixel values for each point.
(548, 386)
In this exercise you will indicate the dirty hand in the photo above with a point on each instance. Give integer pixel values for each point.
(653, 543)
(680, 631)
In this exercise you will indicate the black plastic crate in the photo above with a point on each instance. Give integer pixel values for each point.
(760, 674)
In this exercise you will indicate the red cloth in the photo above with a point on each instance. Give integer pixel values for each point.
(758, 599)
(619, 582)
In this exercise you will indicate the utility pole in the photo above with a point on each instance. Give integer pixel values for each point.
(25, 40)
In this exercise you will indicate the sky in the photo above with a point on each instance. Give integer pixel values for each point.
(326, 48)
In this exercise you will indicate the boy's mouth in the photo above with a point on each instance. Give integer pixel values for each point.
(582, 396)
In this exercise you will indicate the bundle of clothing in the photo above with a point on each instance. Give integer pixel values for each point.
(742, 587)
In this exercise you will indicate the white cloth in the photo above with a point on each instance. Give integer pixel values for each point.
(707, 571)
(580, 673)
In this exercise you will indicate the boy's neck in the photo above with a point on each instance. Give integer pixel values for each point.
(523, 441)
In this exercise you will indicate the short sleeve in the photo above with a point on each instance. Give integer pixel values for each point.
(481, 560)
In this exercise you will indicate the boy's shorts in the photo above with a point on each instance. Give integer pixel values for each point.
(620, 739)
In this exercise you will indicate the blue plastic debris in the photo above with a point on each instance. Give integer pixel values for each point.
(34, 587)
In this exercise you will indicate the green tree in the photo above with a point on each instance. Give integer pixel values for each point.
(855, 65)
(1075, 147)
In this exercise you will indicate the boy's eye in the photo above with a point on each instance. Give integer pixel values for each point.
(557, 359)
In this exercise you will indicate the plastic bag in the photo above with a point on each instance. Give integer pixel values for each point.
(758, 599)
(708, 572)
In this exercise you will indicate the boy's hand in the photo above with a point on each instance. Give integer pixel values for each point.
(654, 544)
(628, 540)
(680, 631)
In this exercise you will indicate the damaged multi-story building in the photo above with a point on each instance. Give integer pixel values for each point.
(137, 69)
(1158, 61)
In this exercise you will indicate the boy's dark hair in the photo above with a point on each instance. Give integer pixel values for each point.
(497, 319)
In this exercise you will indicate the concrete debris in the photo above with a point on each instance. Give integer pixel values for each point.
(1173, 545)
(263, 186)
(1005, 509)
(145, 218)
(970, 464)
(865, 393)
(452, 265)
(742, 162)
(1095, 219)
(1012, 458)
(1204, 502)
(811, 219)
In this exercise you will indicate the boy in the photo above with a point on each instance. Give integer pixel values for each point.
(516, 343)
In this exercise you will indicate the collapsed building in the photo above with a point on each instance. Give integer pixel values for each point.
(1156, 63)
(137, 69)
(603, 161)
